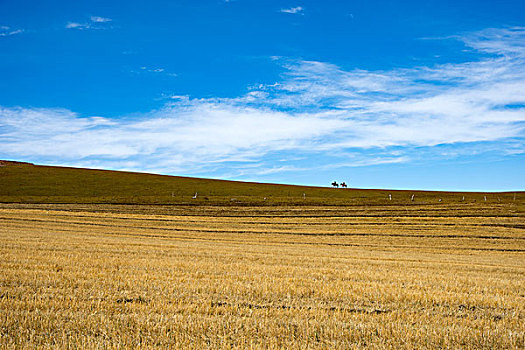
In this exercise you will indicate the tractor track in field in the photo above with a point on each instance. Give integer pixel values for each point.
(393, 223)
(320, 234)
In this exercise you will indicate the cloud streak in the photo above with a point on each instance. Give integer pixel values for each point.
(155, 70)
(8, 31)
(316, 114)
(97, 19)
(293, 10)
(95, 22)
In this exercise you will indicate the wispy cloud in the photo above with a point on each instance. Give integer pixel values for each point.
(95, 22)
(154, 70)
(293, 10)
(8, 31)
(316, 114)
(76, 25)
(97, 19)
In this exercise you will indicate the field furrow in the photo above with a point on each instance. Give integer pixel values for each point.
(110, 276)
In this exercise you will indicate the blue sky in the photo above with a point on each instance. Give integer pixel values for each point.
(380, 94)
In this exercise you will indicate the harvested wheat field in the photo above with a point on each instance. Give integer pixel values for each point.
(297, 277)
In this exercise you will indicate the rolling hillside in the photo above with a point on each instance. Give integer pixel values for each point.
(28, 183)
(341, 268)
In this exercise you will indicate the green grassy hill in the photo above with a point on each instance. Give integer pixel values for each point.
(28, 183)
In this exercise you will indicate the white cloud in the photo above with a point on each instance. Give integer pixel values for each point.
(155, 70)
(294, 10)
(8, 31)
(509, 41)
(95, 22)
(177, 136)
(97, 19)
(152, 70)
(75, 25)
(344, 118)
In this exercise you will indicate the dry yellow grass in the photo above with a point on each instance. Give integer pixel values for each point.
(108, 276)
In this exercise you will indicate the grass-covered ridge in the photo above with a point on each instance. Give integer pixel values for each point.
(28, 183)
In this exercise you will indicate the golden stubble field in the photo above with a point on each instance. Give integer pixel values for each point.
(110, 276)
